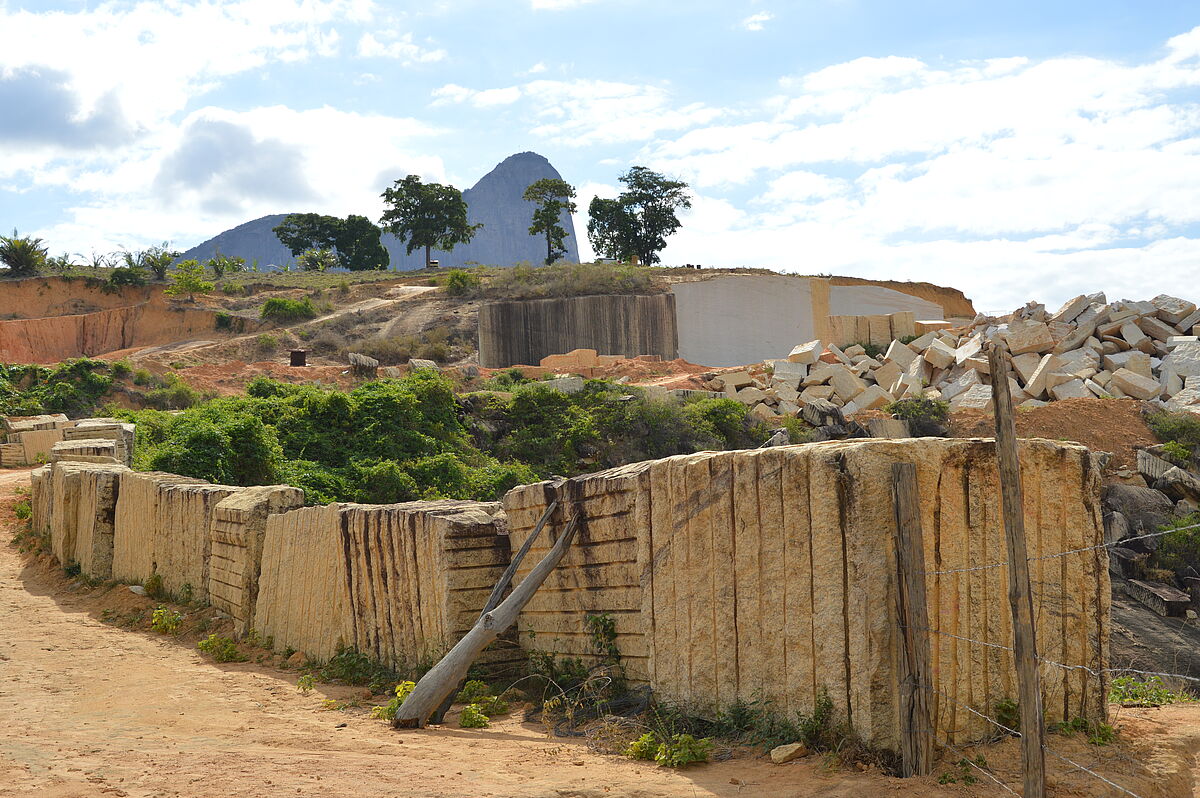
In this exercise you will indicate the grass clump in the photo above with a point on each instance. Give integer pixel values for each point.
(283, 311)
(567, 279)
(460, 282)
(1097, 733)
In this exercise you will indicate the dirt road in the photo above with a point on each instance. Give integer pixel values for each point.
(90, 709)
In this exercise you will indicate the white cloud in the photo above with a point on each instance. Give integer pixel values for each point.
(756, 22)
(536, 69)
(556, 5)
(580, 113)
(1009, 178)
(398, 46)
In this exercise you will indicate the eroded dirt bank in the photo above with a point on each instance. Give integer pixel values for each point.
(90, 709)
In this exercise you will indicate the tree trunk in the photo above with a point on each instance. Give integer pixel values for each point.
(427, 248)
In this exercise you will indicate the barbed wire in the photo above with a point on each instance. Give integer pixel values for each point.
(1089, 771)
(981, 769)
(1123, 541)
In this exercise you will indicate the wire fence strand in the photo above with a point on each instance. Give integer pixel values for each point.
(1089, 771)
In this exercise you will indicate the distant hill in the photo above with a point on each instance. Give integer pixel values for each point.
(495, 201)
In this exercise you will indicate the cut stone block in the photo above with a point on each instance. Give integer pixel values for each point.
(1135, 385)
(734, 380)
(815, 392)
(1030, 338)
(1156, 329)
(1038, 382)
(939, 354)
(964, 383)
(1184, 398)
(888, 428)
(900, 354)
(845, 383)
(1184, 360)
(1071, 309)
(1025, 365)
(887, 374)
(1132, 334)
(968, 349)
(1074, 389)
(854, 351)
(976, 397)
(1172, 309)
(806, 354)
(751, 396)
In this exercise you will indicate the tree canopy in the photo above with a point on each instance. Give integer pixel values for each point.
(426, 215)
(638, 221)
(355, 239)
(553, 197)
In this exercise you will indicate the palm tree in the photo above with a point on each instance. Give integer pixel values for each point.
(23, 256)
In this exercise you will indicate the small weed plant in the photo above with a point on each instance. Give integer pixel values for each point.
(963, 772)
(683, 750)
(306, 683)
(165, 620)
(23, 510)
(1097, 733)
(388, 711)
(221, 649)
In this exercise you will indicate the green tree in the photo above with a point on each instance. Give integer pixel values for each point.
(156, 259)
(355, 239)
(426, 215)
(553, 196)
(188, 278)
(225, 264)
(639, 220)
(24, 256)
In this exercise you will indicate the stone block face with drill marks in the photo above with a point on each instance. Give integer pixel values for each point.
(136, 533)
(400, 583)
(80, 514)
(238, 525)
(771, 574)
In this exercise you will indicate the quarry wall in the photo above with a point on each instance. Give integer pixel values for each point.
(747, 318)
(56, 338)
(771, 573)
(729, 575)
(525, 331)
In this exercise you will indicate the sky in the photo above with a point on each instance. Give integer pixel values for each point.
(1017, 151)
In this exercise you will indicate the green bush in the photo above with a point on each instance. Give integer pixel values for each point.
(221, 649)
(121, 368)
(643, 748)
(925, 417)
(388, 711)
(127, 275)
(1179, 550)
(472, 717)
(165, 620)
(460, 282)
(282, 310)
(1174, 450)
(1175, 427)
(472, 691)
(682, 750)
(1151, 692)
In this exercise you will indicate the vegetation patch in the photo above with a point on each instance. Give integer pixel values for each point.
(283, 310)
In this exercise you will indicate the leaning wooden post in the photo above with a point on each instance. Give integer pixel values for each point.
(442, 678)
(1020, 599)
(916, 741)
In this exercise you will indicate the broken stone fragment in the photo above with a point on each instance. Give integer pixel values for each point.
(1030, 338)
(786, 753)
(806, 354)
(1172, 309)
(939, 354)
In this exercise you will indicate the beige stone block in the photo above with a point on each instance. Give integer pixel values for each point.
(816, 392)
(1172, 309)
(1132, 334)
(845, 383)
(977, 397)
(1025, 365)
(806, 354)
(751, 396)
(1071, 389)
(1037, 384)
(1135, 385)
(887, 374)
(879, 330)
(900, 354)
(939, 354)
(903, 324)
(734, 380)
(1028, 338)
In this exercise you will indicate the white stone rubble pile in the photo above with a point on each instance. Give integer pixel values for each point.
(1089, 348)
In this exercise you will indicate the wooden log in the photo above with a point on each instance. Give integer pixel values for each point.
(916, 675)
(1020, 599)
(441, 680)
(498, 593)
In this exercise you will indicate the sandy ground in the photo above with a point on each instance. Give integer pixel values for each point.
(90, 709)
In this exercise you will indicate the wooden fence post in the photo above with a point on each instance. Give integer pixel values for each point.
(916, 728)
(1020, 599)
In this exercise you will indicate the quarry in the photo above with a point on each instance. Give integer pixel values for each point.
(686, 493)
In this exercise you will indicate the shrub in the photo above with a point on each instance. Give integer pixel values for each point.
(569, 279)
(306, 683)
(1176, 451)
(127, 275)
(1179, 550)
(316, 260)
(23, 510)
(925, 417)
(1178, 427)
(682, 750)
(121, 368)
(266, 343)
(154, 587)
(165, 620)
(460, 282)
(221, 649)
(388, 711)
(644, 747)
(188, 278)
(1151, 692)
(474, 689)
(472, 717)
(279, 309)
(223, 264)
